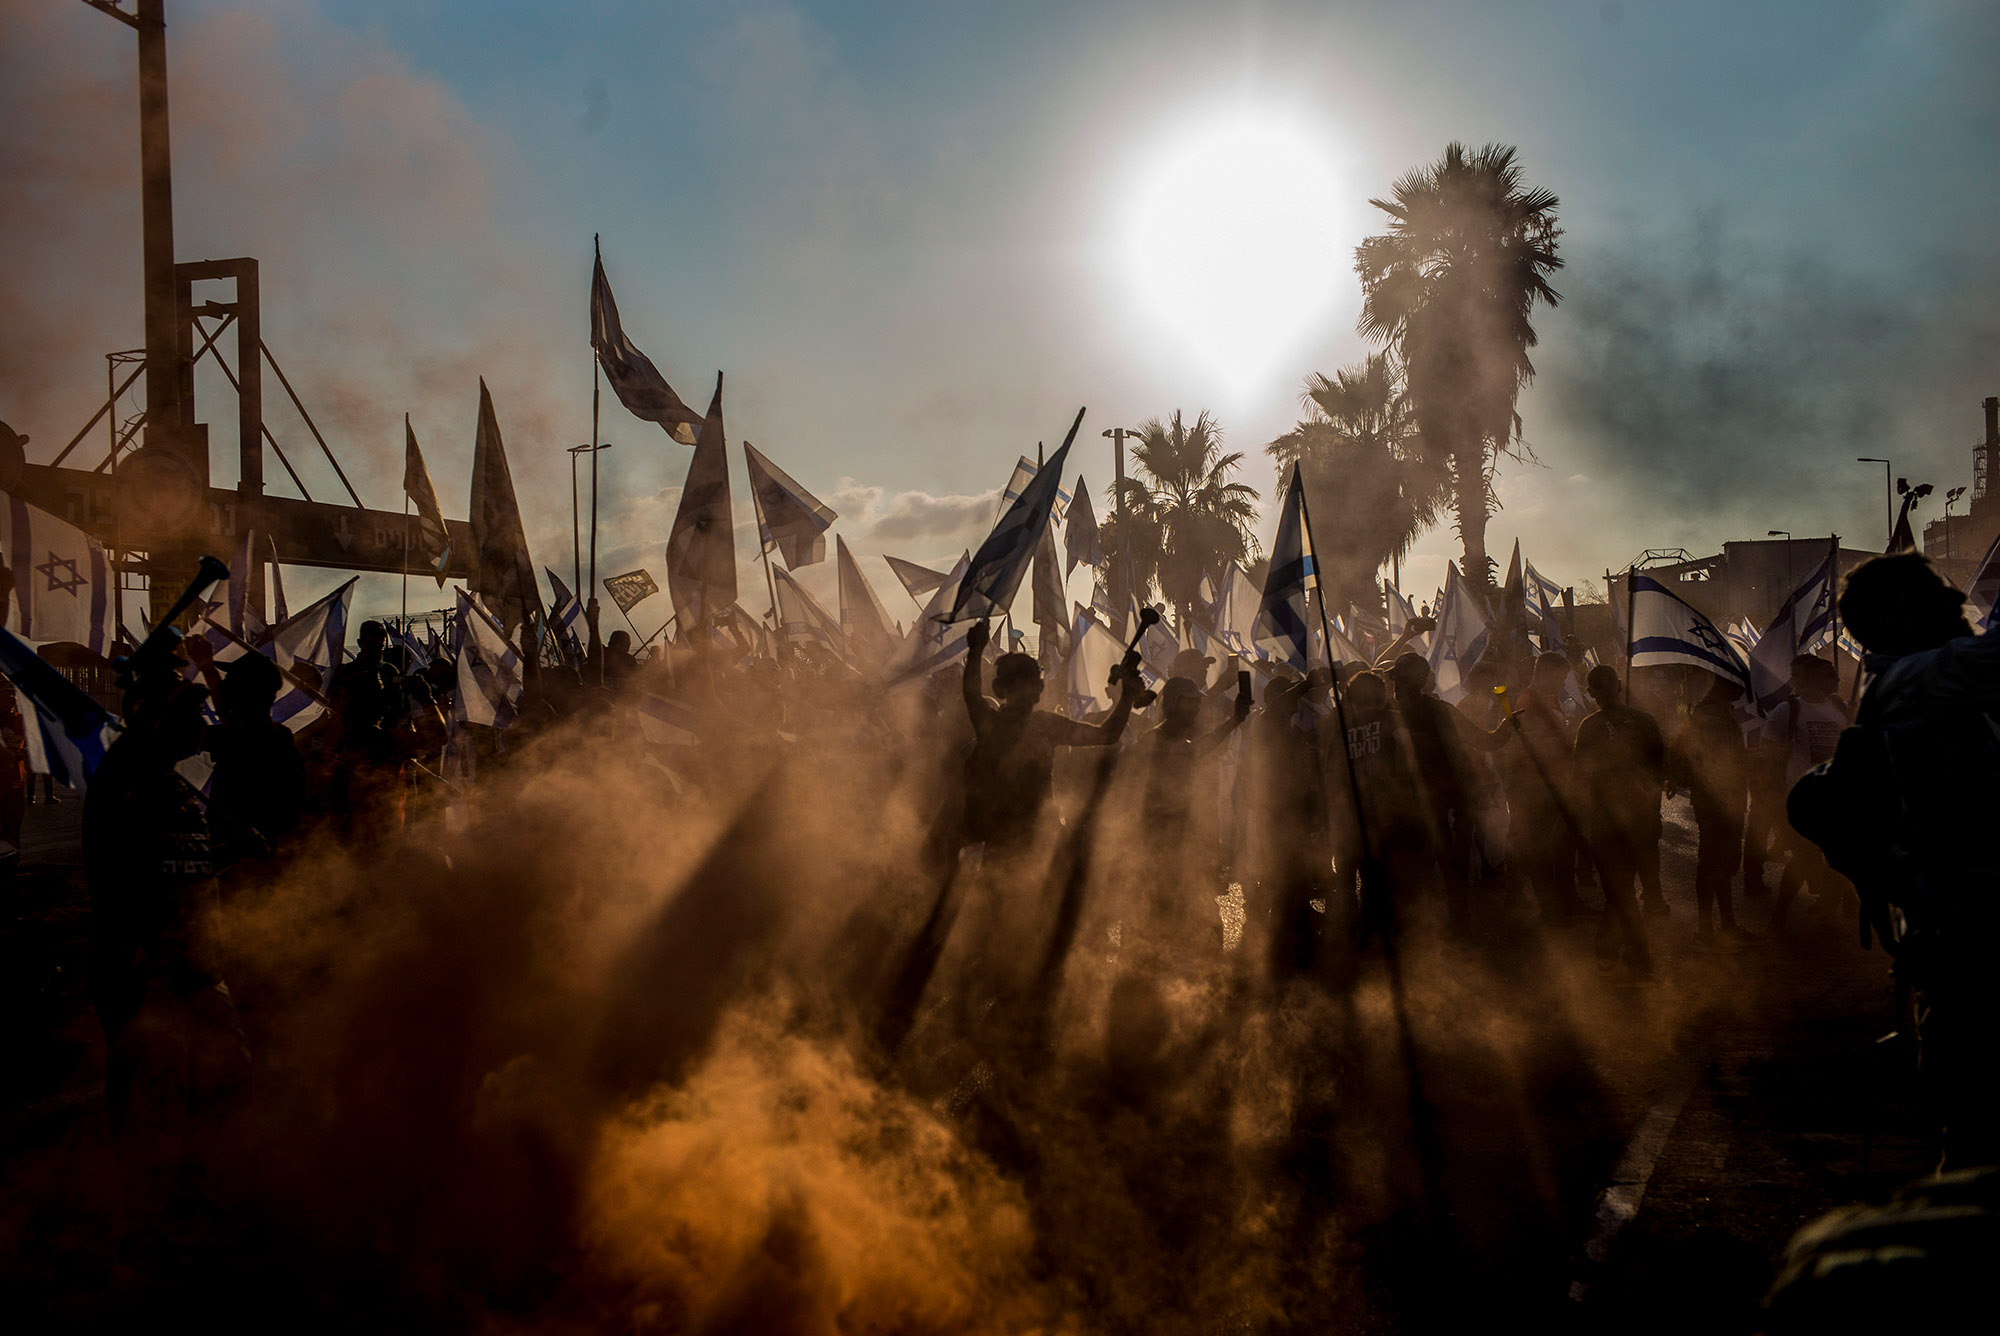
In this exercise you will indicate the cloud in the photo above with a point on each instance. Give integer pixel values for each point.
(1711, 382)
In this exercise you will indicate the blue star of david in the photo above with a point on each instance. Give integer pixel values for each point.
(62, 574)
(1709, 638)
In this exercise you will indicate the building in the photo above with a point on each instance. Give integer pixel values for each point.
(1747, 580)
(1957, 542)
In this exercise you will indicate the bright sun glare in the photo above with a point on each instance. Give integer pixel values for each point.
(1232, 241)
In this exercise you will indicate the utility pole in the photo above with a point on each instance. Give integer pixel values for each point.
(1118, 435)
(1888, 499)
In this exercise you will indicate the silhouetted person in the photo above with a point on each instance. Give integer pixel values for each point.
(1713, 762)
(1540, 842)
(13, 765)
(173, 1046)
(1010, 768)
(1808, 727)
(1906, 809)
(258, 788)
(367, 741)
(619, 661)
(1620, 767)
(1288, 823)
(1384, 789)
(1172, 752)
(1442, 747)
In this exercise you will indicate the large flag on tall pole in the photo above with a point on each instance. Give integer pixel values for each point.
(62, 580)
(634, 379)
(1281, 612)
(1668, 630)
(432, 535)
(994, 576)
(503, 575)
(862, 618)
(790, 520)
(701, 550)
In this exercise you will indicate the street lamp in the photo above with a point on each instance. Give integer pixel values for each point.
(1949, 497)
(575, 531)
(1888, 505)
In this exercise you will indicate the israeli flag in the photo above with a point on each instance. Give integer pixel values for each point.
(62, 580)
(73, 731)
(1802, 622)
(1460, 638)
(1281, 612)
(994, 576)
(489, 667)
(1547, 596)
(566, 611)
(1017, 485)
(803, 617)
(1094, 652)
(315, 639)
(1667, 630)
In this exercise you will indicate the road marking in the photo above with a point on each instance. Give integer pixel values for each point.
(1618, 1204)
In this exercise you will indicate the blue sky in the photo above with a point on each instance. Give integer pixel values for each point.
(908, 235)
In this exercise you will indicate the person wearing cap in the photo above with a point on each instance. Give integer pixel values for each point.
(1012, 762)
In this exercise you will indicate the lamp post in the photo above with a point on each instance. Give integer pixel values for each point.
(1117, 436)
(1888, 503)
(575, 530)
(1949, 497)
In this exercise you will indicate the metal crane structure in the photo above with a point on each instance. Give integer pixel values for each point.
(153, 505)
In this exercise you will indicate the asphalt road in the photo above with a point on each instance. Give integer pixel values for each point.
(1593, 1153)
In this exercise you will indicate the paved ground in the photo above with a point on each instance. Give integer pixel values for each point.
(1713, 1113)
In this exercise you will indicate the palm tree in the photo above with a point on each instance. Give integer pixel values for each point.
(1451, 286)
(1186, 518)
(1371, 487)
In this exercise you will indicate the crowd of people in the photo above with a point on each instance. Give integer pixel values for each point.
(1341, 810)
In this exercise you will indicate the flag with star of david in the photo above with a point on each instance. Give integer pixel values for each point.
(62, 579)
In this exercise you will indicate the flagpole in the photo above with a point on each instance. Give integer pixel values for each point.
(590, 610)
(1629, 571)
(1833, 604)
(1333, 672)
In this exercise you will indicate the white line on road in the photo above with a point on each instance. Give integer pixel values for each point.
(1618, 1204)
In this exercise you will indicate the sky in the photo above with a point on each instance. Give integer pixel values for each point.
(918, 237)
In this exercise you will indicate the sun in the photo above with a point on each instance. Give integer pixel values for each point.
(1234, 240)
